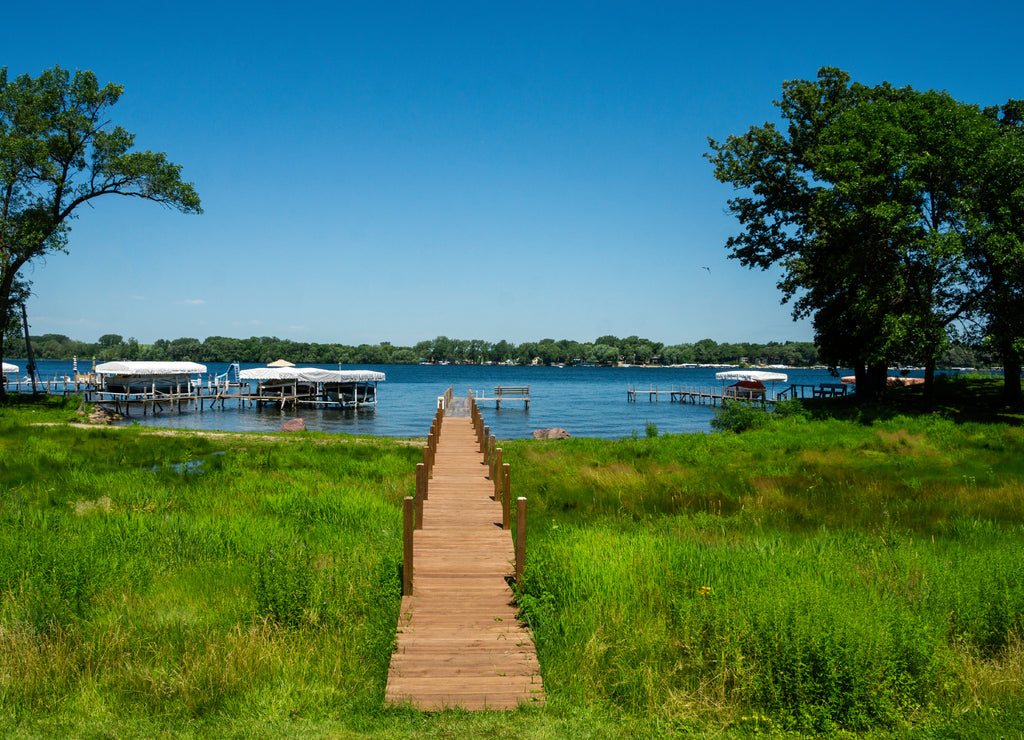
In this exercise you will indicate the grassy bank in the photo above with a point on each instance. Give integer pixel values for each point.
(808, 576)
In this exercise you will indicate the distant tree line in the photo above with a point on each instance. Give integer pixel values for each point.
(606, 350)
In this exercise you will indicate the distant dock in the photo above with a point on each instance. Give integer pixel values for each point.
(506, 393)
(714, 395)
(325, 389)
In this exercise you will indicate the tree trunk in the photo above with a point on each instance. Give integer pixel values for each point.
(1012, 395)
(3, 331)
(877, 374)
(929, 382)
(860, 377)
(870, 380)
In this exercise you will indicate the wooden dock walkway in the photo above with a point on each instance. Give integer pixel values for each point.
(459, 641)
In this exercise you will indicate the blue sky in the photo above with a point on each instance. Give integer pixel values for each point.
(396, 171)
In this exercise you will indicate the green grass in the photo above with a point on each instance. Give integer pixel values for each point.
(809, 576)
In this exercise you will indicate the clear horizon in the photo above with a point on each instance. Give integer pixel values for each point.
(396, 173)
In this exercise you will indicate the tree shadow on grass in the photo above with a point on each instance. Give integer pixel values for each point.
(960, 399)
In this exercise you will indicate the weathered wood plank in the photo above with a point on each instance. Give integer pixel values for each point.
(459, 641)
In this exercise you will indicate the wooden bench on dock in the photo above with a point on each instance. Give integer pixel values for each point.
(830, 390)
(514, 391)
(506, 392)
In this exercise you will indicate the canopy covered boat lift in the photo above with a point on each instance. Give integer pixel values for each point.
(147, 377)
(750, 384)
(314, 386)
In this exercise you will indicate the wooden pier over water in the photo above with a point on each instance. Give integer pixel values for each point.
(714, 395)
(188, 397)
(459, 641)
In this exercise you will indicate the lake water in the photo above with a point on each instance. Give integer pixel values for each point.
(585, 401)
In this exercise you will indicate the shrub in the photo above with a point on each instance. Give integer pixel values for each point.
(791, 408)
(739, 416)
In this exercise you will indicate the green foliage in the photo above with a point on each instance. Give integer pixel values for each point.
(739, 416)
(889, 211)
(790, 408)
(134, 570)
(812, 576)
(284, 584)
(58, 152)
(777, 625)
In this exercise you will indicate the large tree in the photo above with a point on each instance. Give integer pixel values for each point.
(901, 190)
(998, 252)
(867, 201)
(58, 151)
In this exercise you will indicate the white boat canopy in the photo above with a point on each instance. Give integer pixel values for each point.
(759, 375)
(150, 368)
(311, 375)
(9, 368)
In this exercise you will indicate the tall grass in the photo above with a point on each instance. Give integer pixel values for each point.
(186, 577)
(809, 576)
(804, 575)
(832, 630)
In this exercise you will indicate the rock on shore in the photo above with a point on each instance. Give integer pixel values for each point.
(554, 433)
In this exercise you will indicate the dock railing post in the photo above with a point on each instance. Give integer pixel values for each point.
(421, 481)
(490, 456)
(408, 522)
(520, 538)
(506, 497)
(496, 478)
(421, 494)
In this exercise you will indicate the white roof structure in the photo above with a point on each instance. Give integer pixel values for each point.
(311, 375)
(759, 375)
(150, 368)
(9, 368)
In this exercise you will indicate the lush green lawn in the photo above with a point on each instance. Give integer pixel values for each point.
(811, 575)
